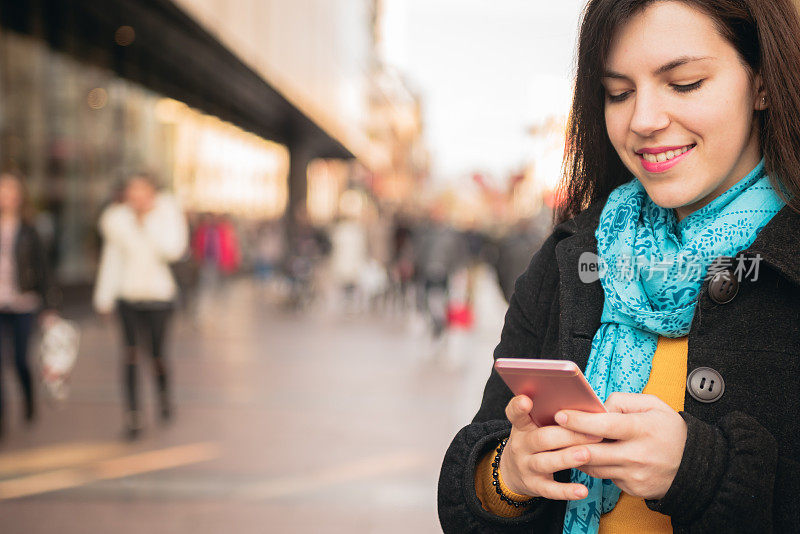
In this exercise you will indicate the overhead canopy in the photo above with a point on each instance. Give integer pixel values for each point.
(173, 55)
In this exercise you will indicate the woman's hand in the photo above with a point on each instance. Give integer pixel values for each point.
(650, 437)
(532, 454)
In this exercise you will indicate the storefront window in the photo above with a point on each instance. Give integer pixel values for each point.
(76, 131)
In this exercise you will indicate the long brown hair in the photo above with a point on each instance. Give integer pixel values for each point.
(765, 33)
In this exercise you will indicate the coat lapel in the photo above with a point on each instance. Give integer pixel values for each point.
(581, 304)
(778, 244)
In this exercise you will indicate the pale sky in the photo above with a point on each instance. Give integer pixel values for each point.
(487, 71)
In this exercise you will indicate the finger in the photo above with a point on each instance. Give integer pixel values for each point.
(549, 438)
(607, 454)
(518, 412)
(547, 463)
(607, 425)
(559, 491)
(609, 472)
(633, 402)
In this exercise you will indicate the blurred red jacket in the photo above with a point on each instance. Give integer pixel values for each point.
(227, 256)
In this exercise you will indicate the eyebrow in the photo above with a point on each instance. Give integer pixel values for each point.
(666, 67)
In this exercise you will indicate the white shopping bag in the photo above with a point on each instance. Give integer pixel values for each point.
(58, 351)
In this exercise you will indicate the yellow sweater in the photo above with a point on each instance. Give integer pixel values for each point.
(668, 382)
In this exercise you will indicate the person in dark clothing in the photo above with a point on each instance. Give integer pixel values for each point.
(672, 278)
(26, 285)
(402, 260)
(514, 250)
(307, 246)
(439, 250)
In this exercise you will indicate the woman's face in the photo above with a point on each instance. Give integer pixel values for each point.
(680, 106)
(140, 195)
(10, 195)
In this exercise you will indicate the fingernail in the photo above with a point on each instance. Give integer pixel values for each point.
(561, 418)
(581, 456)
(581, 492)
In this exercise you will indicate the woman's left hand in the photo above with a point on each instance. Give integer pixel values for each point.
(649, 440)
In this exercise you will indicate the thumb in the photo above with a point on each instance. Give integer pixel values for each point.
(518, 412)
(632, 403)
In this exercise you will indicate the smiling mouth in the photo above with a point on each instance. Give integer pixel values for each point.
(666, 155)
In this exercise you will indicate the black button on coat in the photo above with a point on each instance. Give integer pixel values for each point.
(740, 470)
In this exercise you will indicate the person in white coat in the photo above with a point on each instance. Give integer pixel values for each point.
(142, 236)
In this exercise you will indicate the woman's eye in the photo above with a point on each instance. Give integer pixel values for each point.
(688, 87)
(619, 97)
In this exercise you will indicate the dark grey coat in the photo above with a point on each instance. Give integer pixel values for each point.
(741, 465)
(33, 271)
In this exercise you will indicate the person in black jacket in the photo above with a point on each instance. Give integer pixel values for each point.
(26, 286)
(684, 148)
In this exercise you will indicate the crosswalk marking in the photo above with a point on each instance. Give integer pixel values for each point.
(106, 469)
(58, 456)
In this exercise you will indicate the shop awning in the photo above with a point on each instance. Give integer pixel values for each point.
(173, 55)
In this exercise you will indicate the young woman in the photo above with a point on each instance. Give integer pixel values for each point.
(142, 236)
(683, 177)
(26, 286)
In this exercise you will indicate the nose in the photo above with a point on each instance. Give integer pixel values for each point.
(649, 115)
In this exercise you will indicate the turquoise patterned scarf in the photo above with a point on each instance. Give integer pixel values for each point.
(651, 270)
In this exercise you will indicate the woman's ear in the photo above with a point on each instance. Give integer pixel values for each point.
(761, 101)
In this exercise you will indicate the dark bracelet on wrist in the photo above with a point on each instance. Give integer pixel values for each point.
(496, 479)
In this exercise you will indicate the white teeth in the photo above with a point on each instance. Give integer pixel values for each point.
(664, 156)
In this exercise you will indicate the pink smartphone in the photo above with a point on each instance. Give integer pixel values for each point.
(553, 385)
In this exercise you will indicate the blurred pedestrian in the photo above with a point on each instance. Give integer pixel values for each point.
(402, 269)
(515, 249)
(270, 249)
(349, 257)
(26, 284)
(216, 250)
(308, 246)
(440, 251)
(142, 235)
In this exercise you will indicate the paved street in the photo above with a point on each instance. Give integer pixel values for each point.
(286, 422)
